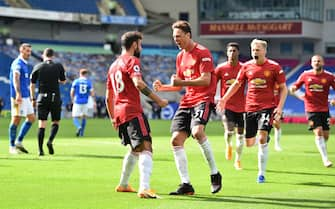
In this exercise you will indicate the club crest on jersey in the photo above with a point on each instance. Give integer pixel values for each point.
(267, 73)
(323, 80)
(316, 87)
(259, 83)
(188, 72)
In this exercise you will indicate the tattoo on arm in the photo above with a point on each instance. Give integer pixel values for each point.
(146, 91)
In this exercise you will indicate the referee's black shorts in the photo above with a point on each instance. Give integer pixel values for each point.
(49, 103)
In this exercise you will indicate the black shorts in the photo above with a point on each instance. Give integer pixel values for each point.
(260, 120)
(186, 118)
(49, 103)
(316, 119)
(234, 117)
(135, 131)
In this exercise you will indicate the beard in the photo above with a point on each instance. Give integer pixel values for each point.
(137, 53)
(318, 69)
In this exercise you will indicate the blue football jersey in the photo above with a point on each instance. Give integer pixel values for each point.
(18, 65)
(82, 88)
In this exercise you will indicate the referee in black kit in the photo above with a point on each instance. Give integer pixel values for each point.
(48, 75)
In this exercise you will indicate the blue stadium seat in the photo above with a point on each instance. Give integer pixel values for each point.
(75, 6)
(3, 3)
(129, 7)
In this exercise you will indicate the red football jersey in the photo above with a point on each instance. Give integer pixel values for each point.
(189, 66)
(261, 82)
(317, 89)
(227, 74)
(127, 104)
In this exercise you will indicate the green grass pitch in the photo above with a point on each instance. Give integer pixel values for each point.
(84, 172)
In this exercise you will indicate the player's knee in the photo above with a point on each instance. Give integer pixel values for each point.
(249, 142)
(198, 135)
(229, 133)
(175, 142)
(144, 146)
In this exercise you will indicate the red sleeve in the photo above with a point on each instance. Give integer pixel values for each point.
(109, 82)
(206, 62)
(281, 76)
(300, 81)
(217, 72)
(333, 82)
(241, 74)
(134, 68)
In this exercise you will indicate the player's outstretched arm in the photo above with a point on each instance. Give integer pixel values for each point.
(143, 88)
(158, 86)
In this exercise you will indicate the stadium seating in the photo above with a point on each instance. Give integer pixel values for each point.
(3, 3)
(78, 6)
(129, 7)
(75, 6)
(287, 64)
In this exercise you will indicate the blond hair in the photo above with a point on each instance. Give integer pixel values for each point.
(259, 41)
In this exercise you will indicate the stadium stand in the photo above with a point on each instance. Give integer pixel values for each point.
(128, 7)
(3, 3)
(287, 64)
(74, 6)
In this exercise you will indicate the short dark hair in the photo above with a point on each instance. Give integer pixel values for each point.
(128, 38)
(24, 45)
(48, 52)
(183, 25)
(233, 44)
(83, 71)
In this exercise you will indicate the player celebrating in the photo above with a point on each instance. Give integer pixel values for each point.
(233, 115)
(317, 83)
(261, 74)
(124, 81)
(195, 71)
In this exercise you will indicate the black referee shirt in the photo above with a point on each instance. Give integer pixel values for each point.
(47, 74)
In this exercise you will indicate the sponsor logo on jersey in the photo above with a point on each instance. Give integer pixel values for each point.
(259, 83)
(230, 81)
(315, 87)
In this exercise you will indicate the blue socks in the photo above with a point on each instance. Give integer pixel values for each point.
(76, 123)
(24, 130)
(12, 134)
(83, 125)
